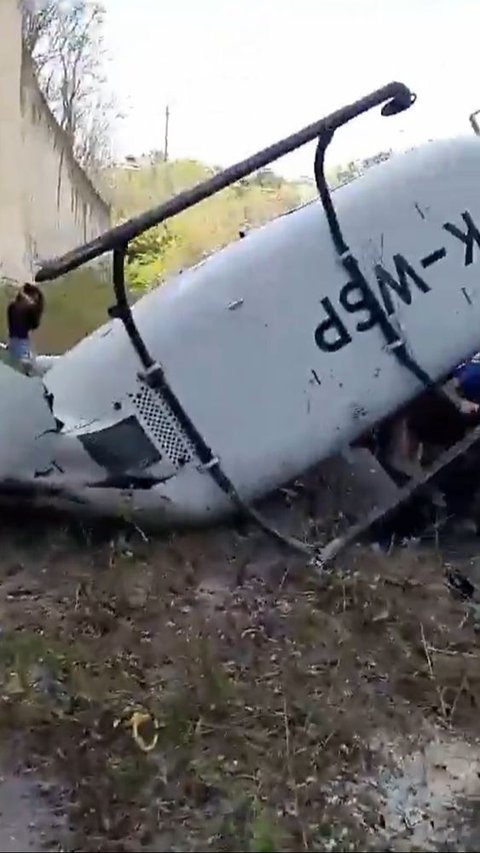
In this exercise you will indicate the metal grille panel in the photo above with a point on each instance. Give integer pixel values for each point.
(163, 426)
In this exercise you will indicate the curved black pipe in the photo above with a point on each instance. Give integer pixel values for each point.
(122, 310)
(116, 240)
(154, 376)
(351, 266)
(398, 98)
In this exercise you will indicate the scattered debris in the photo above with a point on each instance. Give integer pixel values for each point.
(208, 691)
(140, 723)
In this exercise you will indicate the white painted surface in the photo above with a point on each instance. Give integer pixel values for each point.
(244, 375)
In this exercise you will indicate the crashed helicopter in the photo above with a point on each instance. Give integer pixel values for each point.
(272, 354)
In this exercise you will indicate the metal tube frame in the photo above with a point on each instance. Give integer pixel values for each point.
(396, 97)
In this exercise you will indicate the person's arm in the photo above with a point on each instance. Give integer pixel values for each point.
(11, 319)
(452, 390)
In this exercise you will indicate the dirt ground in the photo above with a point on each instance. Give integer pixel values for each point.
(276, 709)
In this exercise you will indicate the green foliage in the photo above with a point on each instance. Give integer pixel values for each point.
(202, 229)
(76, 304)
(147, 253)
(265, 834)
(212, 224)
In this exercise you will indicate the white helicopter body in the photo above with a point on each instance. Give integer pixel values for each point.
(266, 348)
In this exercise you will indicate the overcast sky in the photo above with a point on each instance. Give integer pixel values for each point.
(239, 74)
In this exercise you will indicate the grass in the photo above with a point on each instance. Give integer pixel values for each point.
(266, 696)
(76, 304)
(265, 836)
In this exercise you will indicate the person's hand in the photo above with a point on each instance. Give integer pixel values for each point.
(469, 408)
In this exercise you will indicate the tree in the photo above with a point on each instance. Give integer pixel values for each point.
(267, 178)
(146, 255)
(64, 38)
(187, 238)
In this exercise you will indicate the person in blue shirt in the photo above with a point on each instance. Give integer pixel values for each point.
(467, 379)
(431, 419)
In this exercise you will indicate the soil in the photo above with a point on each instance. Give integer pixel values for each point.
(286, 709)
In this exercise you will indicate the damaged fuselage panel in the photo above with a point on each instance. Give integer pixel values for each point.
(123, 460)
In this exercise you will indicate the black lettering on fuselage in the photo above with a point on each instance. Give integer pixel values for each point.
(334, 323)
(387, 283)
(433, 257)
(356, 296)
(469, 239)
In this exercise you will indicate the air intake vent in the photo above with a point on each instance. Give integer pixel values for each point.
(163, 426)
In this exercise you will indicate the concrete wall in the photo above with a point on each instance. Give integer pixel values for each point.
(47, 203)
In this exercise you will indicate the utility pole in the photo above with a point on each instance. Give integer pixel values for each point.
(474, 122)
(167, 122)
